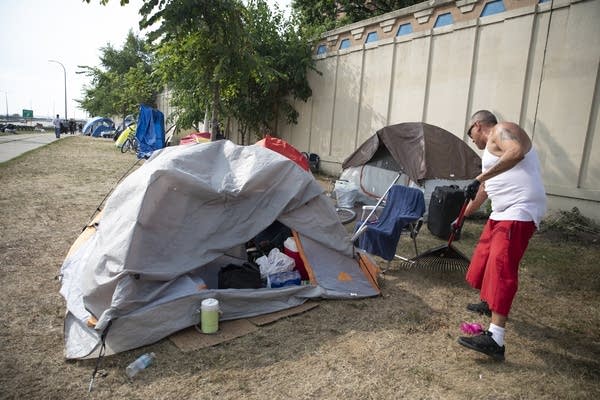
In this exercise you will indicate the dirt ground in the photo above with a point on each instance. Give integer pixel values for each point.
(399, 345)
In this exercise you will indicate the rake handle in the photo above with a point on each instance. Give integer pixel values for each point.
(459, 221)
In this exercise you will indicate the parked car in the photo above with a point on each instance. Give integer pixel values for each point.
(8, 128)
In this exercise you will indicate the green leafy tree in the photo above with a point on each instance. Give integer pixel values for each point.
(123, 81)
(359, 10)
(238, 61)
(277, 71)
(202, 53)
(318, 16)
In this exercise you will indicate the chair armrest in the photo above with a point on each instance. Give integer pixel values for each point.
(366, 210)
(358, 233)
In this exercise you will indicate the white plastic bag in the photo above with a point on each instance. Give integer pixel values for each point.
(275, 262)
(345, 193)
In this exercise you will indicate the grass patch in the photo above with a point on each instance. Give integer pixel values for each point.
(400, 345)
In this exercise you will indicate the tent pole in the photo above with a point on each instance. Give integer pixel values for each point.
(361, 229)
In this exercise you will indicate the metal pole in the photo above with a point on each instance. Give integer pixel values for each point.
(65, 79)
(6, 100)
(361, 229)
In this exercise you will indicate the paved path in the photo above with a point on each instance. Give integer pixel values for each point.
(12, 146)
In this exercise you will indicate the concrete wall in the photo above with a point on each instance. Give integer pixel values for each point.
(536, 64)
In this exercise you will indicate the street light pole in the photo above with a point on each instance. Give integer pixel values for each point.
(6, 100)
(65, 76)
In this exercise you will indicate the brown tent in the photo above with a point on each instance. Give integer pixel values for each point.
(419, 150)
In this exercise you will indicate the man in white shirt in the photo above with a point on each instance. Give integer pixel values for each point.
(511, 178)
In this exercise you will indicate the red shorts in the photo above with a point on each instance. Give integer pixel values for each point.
(495, 263)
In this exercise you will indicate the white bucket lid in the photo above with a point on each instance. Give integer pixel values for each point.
(210, 304)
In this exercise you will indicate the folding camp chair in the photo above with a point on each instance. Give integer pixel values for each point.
(403, 211)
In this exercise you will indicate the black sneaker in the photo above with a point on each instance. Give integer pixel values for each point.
(483, 343)
(481, 308)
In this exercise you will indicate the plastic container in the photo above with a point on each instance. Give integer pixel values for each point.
(141, 363)
(345, 193)
(291, 250)
(281, 279)
(209, 316)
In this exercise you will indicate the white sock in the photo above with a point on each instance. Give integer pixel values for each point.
(497, 334)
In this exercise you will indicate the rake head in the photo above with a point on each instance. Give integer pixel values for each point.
(441, 264)
(443, 258)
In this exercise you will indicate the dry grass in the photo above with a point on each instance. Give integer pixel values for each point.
(400, 345)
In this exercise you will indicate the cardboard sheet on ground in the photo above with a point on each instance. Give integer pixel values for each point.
(191, 339)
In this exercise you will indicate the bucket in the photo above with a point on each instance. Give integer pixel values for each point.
(291, 250)
(345, 193)
(209, 316)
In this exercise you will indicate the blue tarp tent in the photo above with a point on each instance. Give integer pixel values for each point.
(150, 131)
(95, 126)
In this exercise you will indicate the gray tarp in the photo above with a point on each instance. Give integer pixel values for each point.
(164, 233)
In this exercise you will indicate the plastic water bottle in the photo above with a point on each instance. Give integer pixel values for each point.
(140, 364)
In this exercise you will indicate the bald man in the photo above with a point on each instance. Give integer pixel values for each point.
(511, 179)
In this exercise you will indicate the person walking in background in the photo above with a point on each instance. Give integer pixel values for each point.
(56, 123)
(512, 180)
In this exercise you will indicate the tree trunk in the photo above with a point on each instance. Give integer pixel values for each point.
(205, 122)
(242, 130)
(276, 129)
(215, 114)
(227, 132)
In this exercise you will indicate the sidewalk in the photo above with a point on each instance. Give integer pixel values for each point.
(12, 146)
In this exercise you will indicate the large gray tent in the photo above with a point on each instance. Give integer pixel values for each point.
(170, 226)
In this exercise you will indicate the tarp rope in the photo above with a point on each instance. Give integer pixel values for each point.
(100, 354)
(98, 209)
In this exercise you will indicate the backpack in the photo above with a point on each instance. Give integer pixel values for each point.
(245, 276)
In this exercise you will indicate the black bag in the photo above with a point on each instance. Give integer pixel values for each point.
(444, 207)
(273, 236)
(245, 276)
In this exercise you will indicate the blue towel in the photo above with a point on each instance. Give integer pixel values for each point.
(403, 206)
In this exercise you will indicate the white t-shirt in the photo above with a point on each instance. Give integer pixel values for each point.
(517, 194)
(56, 122)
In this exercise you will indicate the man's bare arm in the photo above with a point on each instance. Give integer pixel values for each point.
(512, 143)
(474, 204)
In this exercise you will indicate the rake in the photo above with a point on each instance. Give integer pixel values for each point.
(446, 257)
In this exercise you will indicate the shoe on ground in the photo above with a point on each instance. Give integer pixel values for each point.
(481, 308)
(483, 343)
